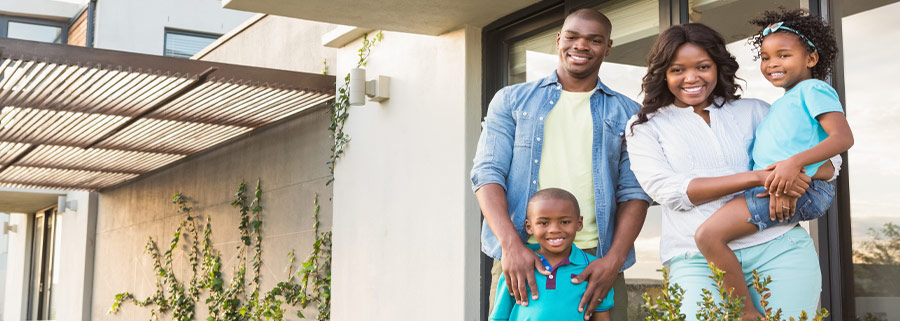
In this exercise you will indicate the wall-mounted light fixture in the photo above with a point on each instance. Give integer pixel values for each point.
(63, 206)
(9, 228)
(378, 90)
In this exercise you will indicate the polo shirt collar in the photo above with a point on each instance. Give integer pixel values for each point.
(576, 256)
(553, 79)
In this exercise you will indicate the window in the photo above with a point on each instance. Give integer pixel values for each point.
(184, 44)
(872, 109)
(33, 29)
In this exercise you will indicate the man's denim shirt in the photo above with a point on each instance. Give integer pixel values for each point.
(509, 152)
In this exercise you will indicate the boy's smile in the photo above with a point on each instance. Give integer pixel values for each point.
(553, 222)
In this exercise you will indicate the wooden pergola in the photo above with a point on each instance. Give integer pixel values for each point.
(84, 118)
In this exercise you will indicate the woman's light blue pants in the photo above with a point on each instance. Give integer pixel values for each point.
(790, 260)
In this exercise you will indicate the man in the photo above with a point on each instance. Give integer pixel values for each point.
(562, 131)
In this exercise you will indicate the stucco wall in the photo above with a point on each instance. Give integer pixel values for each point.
(139, 26)
(277, 42)
(45, 9)
(289, 158)
(406, 224)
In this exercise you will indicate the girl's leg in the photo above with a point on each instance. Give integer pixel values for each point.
(728, 223)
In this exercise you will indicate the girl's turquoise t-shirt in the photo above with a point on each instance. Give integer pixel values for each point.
(791, 127)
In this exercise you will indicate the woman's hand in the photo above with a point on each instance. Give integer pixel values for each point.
(783, 177)
(782, 207)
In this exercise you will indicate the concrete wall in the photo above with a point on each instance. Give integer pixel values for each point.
(406, 223)
(44, 9)
(289, 158)
(76, 252)
(275, 42)
(139, 26)
(15, 289)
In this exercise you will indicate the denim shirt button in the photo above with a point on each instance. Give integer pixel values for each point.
(535, 161)
(551, 102)
(540, 118)
(538, 139)
(533, 182)
(524, 113)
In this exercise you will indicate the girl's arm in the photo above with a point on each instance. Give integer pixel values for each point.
(682, 191)
(839, 140)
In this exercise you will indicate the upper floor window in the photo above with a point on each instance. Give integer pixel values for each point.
(32, 29)
(184, 44)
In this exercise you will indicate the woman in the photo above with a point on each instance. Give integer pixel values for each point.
(688, 147)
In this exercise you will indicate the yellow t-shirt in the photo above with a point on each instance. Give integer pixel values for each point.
(566, 158)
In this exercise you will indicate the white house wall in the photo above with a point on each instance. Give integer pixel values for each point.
(276, 42)
(18, 267)
(139, 26)
(406, 224)
(46, 9)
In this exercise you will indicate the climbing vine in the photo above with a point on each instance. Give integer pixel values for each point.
(340, 109)
(309, 284)
(241, 298)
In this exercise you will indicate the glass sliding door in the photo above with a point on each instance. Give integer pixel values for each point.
(44, 265)
(870, 33)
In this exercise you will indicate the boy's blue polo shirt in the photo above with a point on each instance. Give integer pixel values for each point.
(559, 298)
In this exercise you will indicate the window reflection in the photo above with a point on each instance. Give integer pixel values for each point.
(34, 32)
(872, 111)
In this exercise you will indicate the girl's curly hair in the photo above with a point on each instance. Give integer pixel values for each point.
(813, 28)
(656, 90)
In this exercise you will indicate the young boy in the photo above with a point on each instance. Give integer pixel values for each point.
(553, 217)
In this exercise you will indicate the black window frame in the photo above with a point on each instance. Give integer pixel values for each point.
(62, 25)
(833, 232)
(200, 34)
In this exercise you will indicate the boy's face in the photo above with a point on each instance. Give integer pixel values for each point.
(553, 223)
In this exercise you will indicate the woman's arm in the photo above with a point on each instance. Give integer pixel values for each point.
(682, 191)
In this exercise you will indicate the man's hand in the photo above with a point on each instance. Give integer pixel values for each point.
(600, 276)
(518, 263)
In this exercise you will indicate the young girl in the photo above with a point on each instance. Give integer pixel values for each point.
(802, 130)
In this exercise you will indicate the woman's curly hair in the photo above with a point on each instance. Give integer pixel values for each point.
(813, 28)
(656, 90)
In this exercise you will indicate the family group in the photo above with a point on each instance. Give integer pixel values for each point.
(566, 169)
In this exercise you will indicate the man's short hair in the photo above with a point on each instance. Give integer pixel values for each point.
(553, 194)
(591, 14)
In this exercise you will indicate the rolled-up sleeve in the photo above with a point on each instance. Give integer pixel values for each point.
(652, 170)
(493, 155)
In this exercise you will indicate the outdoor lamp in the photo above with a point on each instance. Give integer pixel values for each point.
(9, 228)
(378, 90)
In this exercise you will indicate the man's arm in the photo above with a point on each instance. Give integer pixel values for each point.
(492, 164)
(518, 262)
(602, 273)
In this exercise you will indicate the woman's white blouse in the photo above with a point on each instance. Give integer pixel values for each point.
(675, 146)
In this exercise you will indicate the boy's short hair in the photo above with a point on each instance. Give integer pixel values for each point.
(553, 194)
